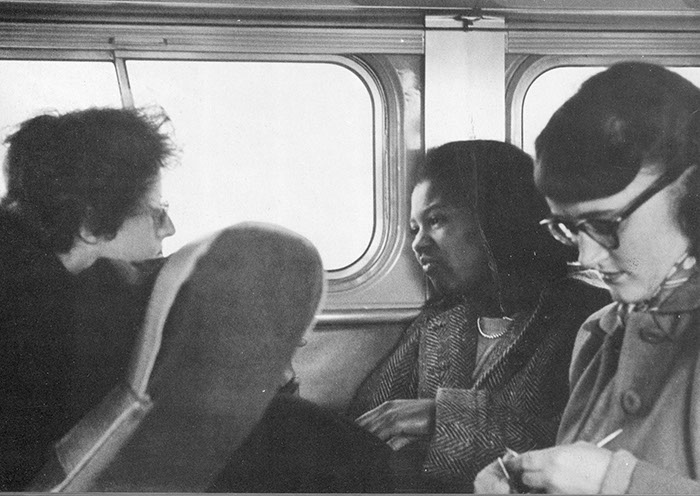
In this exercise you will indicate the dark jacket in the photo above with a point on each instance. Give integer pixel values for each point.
(300, 447)
(63, 340)
(66, 340)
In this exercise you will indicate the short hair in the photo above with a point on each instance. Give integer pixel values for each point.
(89, 167)
(631, 116)
(494, 180)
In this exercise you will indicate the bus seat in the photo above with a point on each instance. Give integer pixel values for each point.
(223, 321)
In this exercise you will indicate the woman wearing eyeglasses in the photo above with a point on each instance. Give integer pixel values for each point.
(80, 186)
(484, 367)
(84, 188)
(619, 164)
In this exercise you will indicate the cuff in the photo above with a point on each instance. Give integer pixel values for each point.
(619, 473)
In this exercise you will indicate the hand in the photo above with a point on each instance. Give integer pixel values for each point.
(492, 480)
(577, 468)
(400, 417)
(398, 442)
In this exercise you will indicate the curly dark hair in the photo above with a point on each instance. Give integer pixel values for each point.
(87, 168)
(631, 116)
(494, 180)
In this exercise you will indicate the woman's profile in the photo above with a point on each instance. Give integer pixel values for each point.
(484, 366)
(619, 166)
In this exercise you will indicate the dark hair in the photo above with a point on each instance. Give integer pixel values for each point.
(90, 167)
(630, 116)
(494, 180)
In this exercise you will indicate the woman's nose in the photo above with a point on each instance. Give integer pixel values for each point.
(167, 228)
(420, 240)
(590, 252)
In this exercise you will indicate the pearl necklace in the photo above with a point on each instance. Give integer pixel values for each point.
(497, 335)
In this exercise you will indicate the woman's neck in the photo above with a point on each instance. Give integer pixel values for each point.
(483, 303)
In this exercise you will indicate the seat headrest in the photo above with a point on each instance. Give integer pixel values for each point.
(222, 324)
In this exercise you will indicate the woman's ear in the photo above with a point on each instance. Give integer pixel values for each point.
(87, 225)
(83, 253)
(86, 235)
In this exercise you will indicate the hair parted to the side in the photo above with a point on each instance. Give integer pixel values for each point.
(631, 116)
(494, 180)
(89, 168)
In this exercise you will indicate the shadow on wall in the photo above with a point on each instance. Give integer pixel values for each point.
(334, 361)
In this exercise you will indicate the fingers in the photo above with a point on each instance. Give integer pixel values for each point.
(392, 418)
(575, 468)
(491, 480)
(381, 421)
(398, 442)
(531, 467)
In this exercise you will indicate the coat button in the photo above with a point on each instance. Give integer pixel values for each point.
(631, 402)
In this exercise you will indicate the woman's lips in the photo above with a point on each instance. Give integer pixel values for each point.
(428, 263)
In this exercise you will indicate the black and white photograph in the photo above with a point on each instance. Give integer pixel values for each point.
(350, 246)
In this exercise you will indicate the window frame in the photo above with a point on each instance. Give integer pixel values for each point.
(349, 287)
(530, 68)
(531, 52)
(349, 271)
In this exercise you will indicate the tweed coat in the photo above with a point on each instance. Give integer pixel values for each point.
(516, 402)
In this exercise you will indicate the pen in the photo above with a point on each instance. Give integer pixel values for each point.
(608, 438)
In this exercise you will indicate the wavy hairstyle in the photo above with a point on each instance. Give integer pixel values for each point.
(494, 180)
(89, 168)
(631, 116)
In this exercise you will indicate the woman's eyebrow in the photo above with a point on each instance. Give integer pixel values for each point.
(434, 206)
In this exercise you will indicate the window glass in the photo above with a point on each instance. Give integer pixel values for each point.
(552, 88)
(285, 142)
(32, 87)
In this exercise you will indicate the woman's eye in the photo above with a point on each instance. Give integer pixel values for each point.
(606, 227)
(436, 220)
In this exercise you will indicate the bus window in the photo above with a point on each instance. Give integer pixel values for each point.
(285, 142)
(32, 87)
(552, 88)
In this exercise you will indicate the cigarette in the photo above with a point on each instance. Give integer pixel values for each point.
(608, 438)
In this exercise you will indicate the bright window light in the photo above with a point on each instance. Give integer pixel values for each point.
(290, 143)
(546, 94)
(552, 88)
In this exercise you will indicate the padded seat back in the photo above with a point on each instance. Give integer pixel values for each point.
(224, 318)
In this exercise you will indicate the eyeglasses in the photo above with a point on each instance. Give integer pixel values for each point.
(602, 231)
(159, 214)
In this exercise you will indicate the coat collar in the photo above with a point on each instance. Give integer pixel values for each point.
(685, 298)
(679, 293)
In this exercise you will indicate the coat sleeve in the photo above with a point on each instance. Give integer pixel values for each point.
(628, 475)
(474, 426)
(521, 411)
(396, 377)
